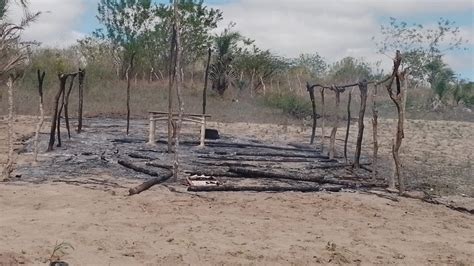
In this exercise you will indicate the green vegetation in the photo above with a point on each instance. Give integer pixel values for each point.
(290, 104)
(239, 68)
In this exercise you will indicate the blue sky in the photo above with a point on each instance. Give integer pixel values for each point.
(334, 29)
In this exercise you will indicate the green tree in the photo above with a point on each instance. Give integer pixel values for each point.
(440, 77)
(312, 65)
(349, 70)
(226, 47)
(124, 24)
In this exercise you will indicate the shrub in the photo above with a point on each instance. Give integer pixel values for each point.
(290, 104)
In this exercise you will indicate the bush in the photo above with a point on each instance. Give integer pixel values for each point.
(290, 104)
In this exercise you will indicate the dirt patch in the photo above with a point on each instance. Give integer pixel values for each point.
(163, 226)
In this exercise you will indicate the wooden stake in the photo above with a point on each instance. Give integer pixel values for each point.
(82, 74)
(332, 144)
(360, 134)
(127, 74)
(66, 104)
(348, 123)
(310, 89)
(41, 116)
(323, 115)
(206, 80)
(179, 81)
(397, 99)
(8, 168)
(374, 130)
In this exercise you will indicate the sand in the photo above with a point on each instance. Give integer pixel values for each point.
(161, 227)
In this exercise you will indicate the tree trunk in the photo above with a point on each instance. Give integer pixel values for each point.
(263, 86)
(360, 134)
(375, 133)
(41, 116)
(82, 74)
(332, 145)
(348, 124)
(8, 168)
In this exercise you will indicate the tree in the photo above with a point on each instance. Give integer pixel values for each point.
(421, 46)
(259, 65)
(125, 22)
(222, 70)
(440, 77)
(350, 70)
(311, 64)
(13, 54)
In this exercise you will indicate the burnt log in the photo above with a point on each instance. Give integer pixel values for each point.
(148, 184)
(264, 188)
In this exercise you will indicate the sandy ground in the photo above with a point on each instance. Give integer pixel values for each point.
(170, 228)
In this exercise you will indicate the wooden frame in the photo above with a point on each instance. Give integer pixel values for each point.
(164, 116)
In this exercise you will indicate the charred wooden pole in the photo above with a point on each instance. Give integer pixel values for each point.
(348, 123)
(58, 126)
(396, 98)
(41, 114)
(62, 85)
(82, 74)
(374, 131)
(401, 82)
(66, 104)
(206, 80)
(332, 144)
(128, 72)
(360, 134)
(310, 89)
(323, 115)
(171, 79)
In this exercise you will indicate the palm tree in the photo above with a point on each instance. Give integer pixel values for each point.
(222, 73)
(440, 77)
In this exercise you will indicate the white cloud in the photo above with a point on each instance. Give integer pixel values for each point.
(334, 29)
(57, 23)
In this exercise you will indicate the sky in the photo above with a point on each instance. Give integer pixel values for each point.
(333, 28)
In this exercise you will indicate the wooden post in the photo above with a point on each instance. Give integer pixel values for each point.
(323, 115)
(62, 86)
(310, 89)
(66, 104)
(203, 131)
(127, 73)
(82, 74)
(348, 123)
(374, 131)
(360, 135)
(332, 144)
(397, 99)
(179, 81)
(8, 168)
(41, 116)
(206, 79)
(151, 136)
(171, 78)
